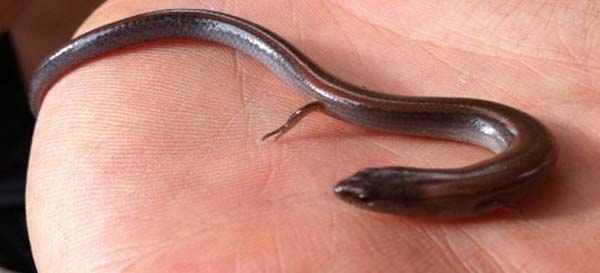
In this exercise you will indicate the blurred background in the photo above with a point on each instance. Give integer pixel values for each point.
(29, 30)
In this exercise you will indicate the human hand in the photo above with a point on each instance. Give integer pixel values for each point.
(150, 160)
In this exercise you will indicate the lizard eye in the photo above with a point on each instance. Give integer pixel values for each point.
(364, 198)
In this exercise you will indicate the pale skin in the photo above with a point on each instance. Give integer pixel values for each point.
(150, 160)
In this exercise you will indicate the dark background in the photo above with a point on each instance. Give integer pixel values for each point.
(38, 27)
(16, 128)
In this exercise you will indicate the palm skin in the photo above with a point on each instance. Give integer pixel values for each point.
(150, 160)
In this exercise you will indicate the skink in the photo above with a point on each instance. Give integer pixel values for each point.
(525, 150)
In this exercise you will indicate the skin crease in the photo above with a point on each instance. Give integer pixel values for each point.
(179, 181)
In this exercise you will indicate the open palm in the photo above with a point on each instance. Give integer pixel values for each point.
(150, 160)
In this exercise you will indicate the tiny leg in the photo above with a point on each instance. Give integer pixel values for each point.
(294, 119)
(511, 206)
(499, 203)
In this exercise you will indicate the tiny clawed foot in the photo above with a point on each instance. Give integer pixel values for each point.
(294, 119)
(499, 203)
(277, 133)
